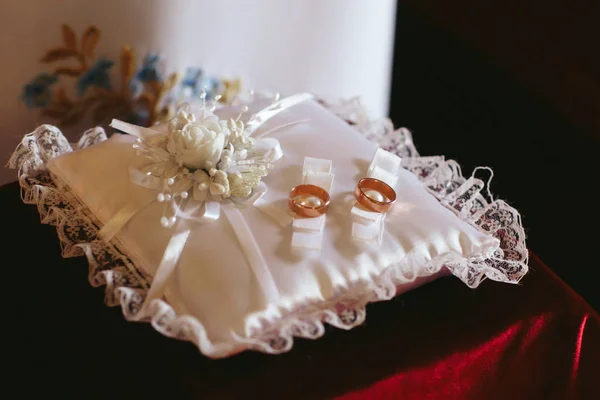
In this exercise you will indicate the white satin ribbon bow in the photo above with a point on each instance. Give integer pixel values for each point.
(203, 209)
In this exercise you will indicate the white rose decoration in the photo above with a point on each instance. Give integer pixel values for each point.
(198, 144)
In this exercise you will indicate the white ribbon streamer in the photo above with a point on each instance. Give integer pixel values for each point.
(166, 267)
(118, 221)
(252, 252)
(176, 245)
(134, 130)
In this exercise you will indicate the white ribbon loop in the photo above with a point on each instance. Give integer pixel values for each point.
(268, 149)
(212, 210)
(260, 117)
(279, 127)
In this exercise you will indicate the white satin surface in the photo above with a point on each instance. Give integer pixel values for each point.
(213, 280)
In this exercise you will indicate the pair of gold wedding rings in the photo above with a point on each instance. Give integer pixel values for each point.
(311, 201)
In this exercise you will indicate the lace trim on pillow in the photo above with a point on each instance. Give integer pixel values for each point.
(444, 179)
(126, 285)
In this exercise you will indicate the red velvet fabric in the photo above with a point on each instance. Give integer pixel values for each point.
(536, 340)
(539, 340)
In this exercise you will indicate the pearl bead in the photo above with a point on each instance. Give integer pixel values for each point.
(168, 197)
(164, 221)
(160, 197)
(172, 221)
(375, 195)
(184, 195)
(170, 181)
(308, 201)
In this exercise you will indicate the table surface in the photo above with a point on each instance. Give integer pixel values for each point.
(535, 340)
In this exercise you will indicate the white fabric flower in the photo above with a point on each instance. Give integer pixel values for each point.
(220, 185)
(238, 137)
(214, 182)
(198, 144)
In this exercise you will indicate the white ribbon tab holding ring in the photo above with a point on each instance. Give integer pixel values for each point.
(308, 232)
(368, 226)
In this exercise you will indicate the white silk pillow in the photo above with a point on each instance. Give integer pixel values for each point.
(213, 284)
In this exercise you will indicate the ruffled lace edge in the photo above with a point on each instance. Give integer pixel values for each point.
(126, 285)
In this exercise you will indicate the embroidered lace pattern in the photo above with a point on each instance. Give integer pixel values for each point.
(126, 285)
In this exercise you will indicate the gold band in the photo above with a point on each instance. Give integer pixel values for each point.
(383, 188)
(305, 210)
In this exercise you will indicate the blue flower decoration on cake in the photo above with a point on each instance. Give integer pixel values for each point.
(38, 93)
(144, 93)
(97, 76)
(193, 82)
(213, 87)
(150, 70)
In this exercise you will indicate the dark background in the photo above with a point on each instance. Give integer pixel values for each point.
(513, 87)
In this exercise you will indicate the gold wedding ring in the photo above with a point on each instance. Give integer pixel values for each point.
(308, 201)
(368, 185)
